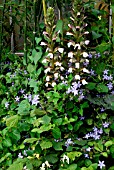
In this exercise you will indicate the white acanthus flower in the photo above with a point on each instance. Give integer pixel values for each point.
(86, 60)
(61, 50)
(56, 75)
(61, 68)
(44, 60)
(47, 84)
(85, 70)
(71, 60)
(53, 84)
(77, 77)
(84, 82)
(43, 43)
(69, 33)
(77, 65)
(58, 63)
(50, 55)
(61, 77)
(47, 164)
(69, 44)
(47, 78)
(65, 157)
(77, 46)
(85, 54)
(78, 13)
(70, 70)
(42, 167)
(86, 32)
(47, 70)
(70, 54)
(87, 42)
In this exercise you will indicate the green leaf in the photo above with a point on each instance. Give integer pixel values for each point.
(7, 142)
(72, 167)
(112, 7)
(112, 150)
(38, 40)
(45, 144)
(111, 168)
(30, 140)
(74, 154)
(105, 154)
(91, 86)
(103, 47)
(12, 121)
(59, 27)
(18, 166)
(113, 39)
(57, 121)
(56, 133)
(43, 128)
(100, 68)
(80, 142)
(15, 134)
(94, 166)
(31, 68)
(98, 146)
(78, 125)
(89, 121)
(37, 57)
(108, 143)
(37, 112)
(33, 84)
(46, 120)
(5, 157)
(88, 162)
(52, 158)
(23, 107)
(96, 35)
(57, 146)
(102, 88)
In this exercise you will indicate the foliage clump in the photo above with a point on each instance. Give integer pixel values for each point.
(58, 112)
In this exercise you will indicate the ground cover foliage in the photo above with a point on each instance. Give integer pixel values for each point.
(56, 112)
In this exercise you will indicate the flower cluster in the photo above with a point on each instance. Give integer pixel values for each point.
(44, 165)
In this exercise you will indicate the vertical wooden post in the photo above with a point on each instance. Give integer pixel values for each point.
(25, 35)
(112, 4)
(35, 20)
(2, 8)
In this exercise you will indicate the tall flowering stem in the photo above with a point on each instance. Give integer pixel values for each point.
(44, 9)
(77, 30)
(52, 49)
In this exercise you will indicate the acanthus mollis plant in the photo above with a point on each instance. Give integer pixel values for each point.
(77, 57)
(53, 64)
(68, 64)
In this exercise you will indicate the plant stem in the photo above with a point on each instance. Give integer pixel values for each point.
(44, 9)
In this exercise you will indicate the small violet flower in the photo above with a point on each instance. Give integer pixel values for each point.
(105, 125)
(101, 164)
(7, 104)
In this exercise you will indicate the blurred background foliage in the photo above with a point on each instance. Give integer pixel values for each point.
(23, 20)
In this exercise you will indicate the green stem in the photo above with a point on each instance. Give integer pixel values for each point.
(44, 9)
